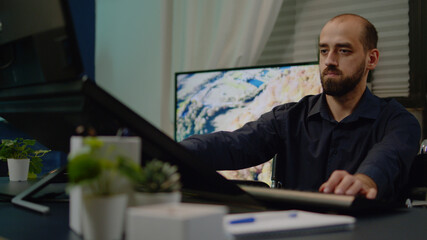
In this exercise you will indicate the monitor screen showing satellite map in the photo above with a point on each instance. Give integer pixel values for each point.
(209, 101)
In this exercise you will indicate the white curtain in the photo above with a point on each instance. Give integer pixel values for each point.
(211, 34)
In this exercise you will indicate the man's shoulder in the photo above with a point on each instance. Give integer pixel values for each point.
(392, 105)
(391, 108)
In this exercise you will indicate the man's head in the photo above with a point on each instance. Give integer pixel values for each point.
(347, 51)
(368, 36)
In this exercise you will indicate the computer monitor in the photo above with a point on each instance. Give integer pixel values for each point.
(226, 99)
(54, 111)
(43, 94)
(37, 43)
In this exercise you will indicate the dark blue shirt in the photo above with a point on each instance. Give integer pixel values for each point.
(379, 139)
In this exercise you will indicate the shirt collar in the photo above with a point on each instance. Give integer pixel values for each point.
(368, 107)
(315, 110)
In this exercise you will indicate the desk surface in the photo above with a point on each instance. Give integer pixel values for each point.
(19, 223)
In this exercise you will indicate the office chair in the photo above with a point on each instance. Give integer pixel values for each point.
(275, 183)
(417, 186)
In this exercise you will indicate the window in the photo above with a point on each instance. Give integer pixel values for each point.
(295, 35)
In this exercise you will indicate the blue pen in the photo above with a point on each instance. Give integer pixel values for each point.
(243, 220)
(252, 219)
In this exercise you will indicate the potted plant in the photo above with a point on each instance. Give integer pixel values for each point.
(22, 159)
(103, 183)
(156, 182)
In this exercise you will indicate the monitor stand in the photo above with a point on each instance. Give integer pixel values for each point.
(21, 199)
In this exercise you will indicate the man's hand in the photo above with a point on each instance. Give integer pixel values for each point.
(343, 183)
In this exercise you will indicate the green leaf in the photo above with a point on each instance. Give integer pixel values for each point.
(83, 168)
(28, 142)
(32, 175)
(93, 142)
(158, 176)
(36, 165)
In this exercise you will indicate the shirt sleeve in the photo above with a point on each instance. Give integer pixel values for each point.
(254, 143)
(390, 159)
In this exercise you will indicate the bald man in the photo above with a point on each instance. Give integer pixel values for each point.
(344, 141)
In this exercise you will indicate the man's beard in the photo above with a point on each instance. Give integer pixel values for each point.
(343, 85)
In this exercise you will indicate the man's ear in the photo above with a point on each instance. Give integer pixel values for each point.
(373, 57)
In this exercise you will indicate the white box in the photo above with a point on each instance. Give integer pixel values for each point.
(123, 146)
(182, 221)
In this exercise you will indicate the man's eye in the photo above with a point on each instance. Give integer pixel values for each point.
(346, 51)
(323, 51)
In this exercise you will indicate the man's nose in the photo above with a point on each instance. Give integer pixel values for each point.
(331, 59)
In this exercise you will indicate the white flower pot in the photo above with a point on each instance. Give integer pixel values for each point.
(18, 169)
(141, 198)
(103, 217)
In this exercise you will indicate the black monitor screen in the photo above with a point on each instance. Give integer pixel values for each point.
(37, 43)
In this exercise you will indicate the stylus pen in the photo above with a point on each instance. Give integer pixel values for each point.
(243, 220)
(253, 219)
